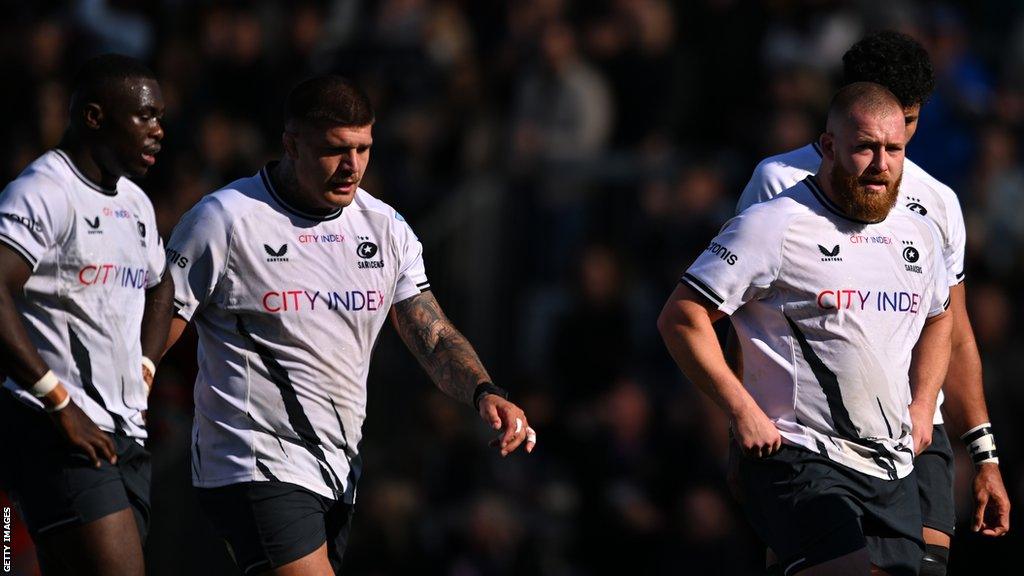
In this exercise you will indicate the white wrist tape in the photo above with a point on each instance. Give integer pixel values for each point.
(981, 444)
(44, 385)
(63, 404)
(149, 365)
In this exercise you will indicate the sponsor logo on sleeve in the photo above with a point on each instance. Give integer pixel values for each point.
(727, 255)
(174, 257)
(33, 225)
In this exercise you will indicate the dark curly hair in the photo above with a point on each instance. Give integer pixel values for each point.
(893, 60)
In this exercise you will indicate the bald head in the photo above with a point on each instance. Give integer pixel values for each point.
(858, 100)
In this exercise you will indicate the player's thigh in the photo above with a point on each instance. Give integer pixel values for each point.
(796, 502)
(935, 475)
(856, 563)
(267, 525)
(315, 563)
(108, 546)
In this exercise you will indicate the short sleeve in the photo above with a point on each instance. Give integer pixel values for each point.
(197, 255)
(939, 301)
(412, 274)
(955, 246)
(34, 215)
(758, 189)
(741, 262)
(156, 257)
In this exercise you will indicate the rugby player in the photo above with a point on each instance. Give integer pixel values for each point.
(81, 268)
(839, 305)
(289, 276)
(901, 64)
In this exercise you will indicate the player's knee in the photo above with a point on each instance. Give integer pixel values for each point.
(933, 563)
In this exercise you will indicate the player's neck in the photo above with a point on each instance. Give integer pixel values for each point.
(286, 184)
(84, 158)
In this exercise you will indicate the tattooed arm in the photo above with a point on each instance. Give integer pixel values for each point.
(455, 368)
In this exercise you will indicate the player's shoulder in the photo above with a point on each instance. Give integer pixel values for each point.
(776, 214)
(925, 188)
(45, 175)
(776, 173)
(801, 160)
(924, 225)
(374, 207)
(236, 199)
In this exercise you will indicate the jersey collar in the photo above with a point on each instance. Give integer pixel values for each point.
(269, 185)
(78, 173)
(828, 204)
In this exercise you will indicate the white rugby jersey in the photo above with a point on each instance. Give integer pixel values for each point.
(827, 311)
(919, 192)
(93, 254)
(288, 306)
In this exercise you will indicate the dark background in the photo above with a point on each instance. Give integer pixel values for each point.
(563, 163)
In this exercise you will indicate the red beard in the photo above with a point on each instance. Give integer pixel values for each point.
(852, 196)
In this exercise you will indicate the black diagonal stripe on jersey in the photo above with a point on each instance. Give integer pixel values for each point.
(821, 449)
(945, 305)
(703, 288)
(829, 383)
(355, 464)
(265, 471)
(265, 176)
(817, 148)
(882, 412)
(19, 250)
(83, 360)
(293, 409)
(827, 204)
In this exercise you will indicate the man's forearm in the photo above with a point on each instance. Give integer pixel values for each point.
(156, 318)
(965, 405)
(443, 352)
(930, 361)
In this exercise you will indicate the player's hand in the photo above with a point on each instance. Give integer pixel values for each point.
(147, 377)
(500, 414)
(922, 417)
(991, 504)
(82, 433)
(755, 433)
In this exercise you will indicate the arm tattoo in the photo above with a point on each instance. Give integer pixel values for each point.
(439, 347)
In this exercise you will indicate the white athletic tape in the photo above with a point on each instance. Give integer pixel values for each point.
(63, 404)
(44, 385)
(519, 425)
(149, 365)
(531, 435)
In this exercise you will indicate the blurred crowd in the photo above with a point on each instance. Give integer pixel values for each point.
(562, 162)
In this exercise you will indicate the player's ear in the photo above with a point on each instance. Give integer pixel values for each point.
(827, 142)
(92, 115)
(288, 141)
